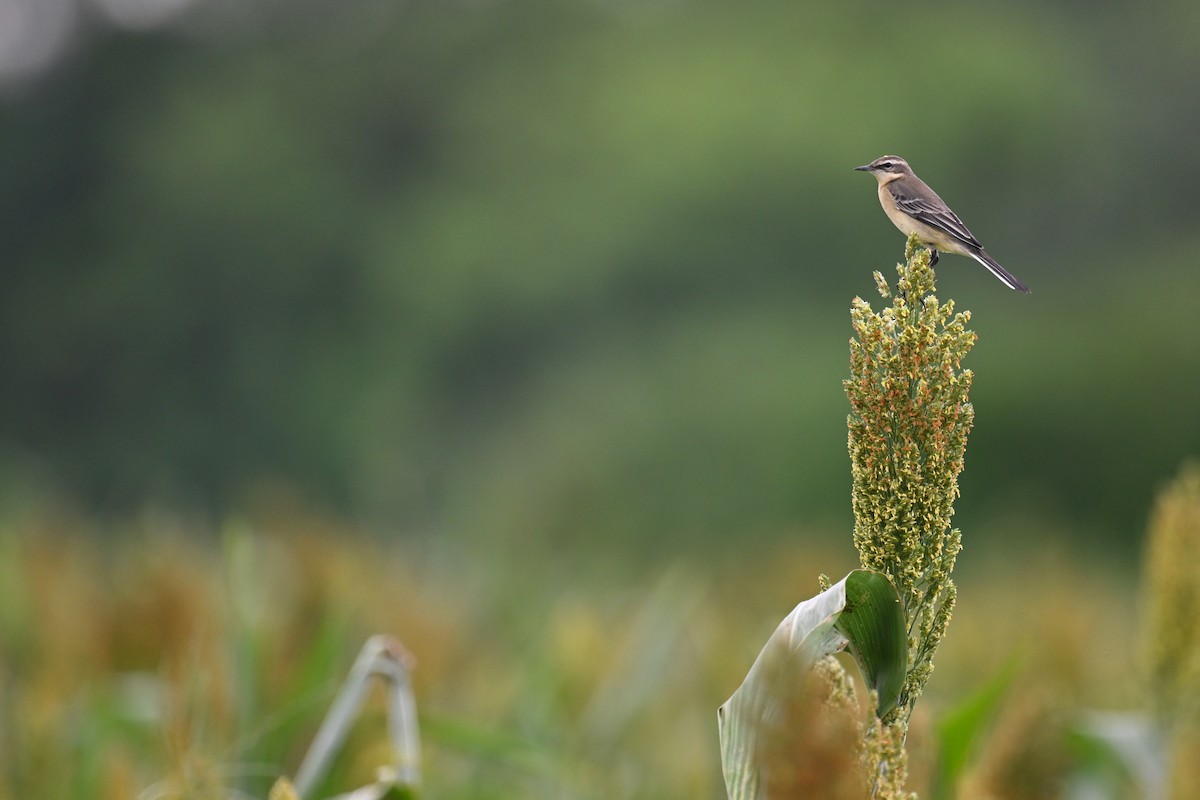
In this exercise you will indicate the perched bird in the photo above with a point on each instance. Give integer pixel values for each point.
(915, 208)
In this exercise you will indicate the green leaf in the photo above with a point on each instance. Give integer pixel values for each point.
(1126, 750)
(960, 729)
(860, 613)
(874, 624)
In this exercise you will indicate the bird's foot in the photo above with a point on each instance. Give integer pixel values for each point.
(933, 256)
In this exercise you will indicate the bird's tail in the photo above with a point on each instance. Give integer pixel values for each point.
(1000, 272)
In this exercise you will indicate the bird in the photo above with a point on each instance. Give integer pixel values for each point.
(913, 207)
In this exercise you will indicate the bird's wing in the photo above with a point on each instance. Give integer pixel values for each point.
(933, 212)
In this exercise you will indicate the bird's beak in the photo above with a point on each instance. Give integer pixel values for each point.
(863, 168)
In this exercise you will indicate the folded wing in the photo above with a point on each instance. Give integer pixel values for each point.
(934, 213)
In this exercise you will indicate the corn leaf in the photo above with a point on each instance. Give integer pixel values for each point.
(961, 729)
(860, 613)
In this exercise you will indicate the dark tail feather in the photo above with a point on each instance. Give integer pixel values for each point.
(1000, 272)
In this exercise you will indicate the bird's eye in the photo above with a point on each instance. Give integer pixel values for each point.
(886, 165)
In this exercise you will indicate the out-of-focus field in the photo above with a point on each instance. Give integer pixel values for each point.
(157, 660)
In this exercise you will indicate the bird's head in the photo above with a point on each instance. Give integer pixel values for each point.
(887, 168)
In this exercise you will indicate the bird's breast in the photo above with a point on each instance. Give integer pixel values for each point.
(904, 222)
(908, 225)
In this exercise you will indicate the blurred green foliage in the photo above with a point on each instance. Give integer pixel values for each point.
(152, 661)
(580, 271)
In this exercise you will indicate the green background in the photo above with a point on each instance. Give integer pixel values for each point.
(576, 274)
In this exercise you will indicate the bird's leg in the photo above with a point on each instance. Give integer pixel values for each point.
(933, 256)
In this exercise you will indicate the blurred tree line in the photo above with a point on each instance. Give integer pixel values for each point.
(581, 271)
